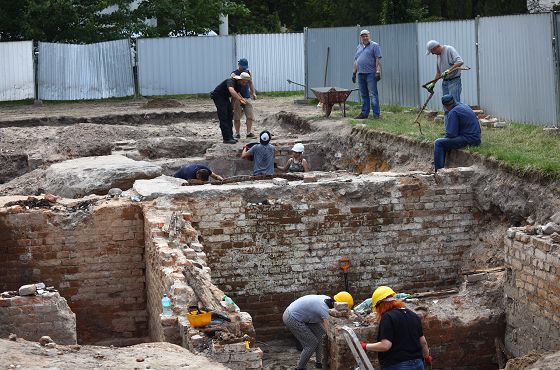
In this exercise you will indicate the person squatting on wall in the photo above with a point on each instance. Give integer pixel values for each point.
(461, 129)
(306, 318)
(400, 341)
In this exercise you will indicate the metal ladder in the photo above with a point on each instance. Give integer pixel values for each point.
(359, 354)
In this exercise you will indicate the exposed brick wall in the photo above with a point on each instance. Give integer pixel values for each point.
(95, 260)
(532, 292)
(171, 247)
(32, 317)
(403, 231)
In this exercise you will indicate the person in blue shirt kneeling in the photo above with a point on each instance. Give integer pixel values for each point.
(461, 129)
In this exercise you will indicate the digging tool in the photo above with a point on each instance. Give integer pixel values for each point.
(344, 264)
(431, 91)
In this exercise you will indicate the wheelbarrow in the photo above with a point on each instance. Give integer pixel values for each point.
(329, 96)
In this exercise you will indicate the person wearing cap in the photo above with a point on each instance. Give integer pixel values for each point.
(222, 95)
(461, 129)
(263, 155)
(400, 340)
(296, 163)
(196, 172)
(247, 92)
(367, 66)
(448, 64)
(306, 318)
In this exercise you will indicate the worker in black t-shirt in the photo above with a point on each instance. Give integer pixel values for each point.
(222, 95)
(400, 342)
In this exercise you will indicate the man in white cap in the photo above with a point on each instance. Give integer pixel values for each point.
(247, 92)
(448, 64)
(222, 95)
(367, 65)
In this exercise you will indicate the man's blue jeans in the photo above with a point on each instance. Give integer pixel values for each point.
(407, 365)
(452, 87)
(442, 145)
(368, 92)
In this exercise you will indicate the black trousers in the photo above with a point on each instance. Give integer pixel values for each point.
(225, 115)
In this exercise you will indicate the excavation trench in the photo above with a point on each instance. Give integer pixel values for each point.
(265, 243)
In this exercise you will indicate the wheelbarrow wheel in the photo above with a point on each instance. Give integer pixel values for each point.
(328, 109)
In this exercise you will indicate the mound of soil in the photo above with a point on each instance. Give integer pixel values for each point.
(162, 103)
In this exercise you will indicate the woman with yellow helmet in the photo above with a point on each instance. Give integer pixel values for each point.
(400, 341)
(306, 317)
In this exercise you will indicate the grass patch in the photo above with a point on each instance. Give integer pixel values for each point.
(522, 146)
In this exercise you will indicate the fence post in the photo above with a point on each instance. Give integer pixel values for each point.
(477, 62)
(305, 62)
(555, 19)
(35, 51)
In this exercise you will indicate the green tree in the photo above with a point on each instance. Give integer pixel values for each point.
(185, 17)
(403, 11)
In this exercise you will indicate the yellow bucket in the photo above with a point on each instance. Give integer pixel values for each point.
(199, 318)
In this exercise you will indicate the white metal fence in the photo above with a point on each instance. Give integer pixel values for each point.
(16, 71)
(190, 65)
(515, 70)
(95, 71)
(514, 59)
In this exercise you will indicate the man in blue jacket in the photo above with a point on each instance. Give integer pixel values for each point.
(461, 129)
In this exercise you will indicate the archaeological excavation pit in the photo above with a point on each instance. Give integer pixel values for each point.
(265, 243)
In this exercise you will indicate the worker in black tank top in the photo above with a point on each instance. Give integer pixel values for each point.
(400, 341)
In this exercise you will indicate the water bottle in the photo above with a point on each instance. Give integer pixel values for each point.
(166, 305)
(365, 306)
(230, 301)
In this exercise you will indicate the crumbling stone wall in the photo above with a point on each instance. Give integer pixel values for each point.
(94, 258)
(32, 317)
(269, 244)
(532, 291)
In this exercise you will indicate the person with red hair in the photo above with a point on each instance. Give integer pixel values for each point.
(400, 341)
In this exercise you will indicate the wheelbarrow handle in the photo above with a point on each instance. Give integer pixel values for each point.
(295, 83)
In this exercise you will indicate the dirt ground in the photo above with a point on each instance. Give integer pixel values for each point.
(22, 354)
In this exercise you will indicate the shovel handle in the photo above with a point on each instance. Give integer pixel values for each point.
(344, 264)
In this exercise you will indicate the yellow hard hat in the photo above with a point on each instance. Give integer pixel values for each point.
(380, 294)
(344, 297)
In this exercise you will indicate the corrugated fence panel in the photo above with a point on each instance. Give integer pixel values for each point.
(459, 34)
(184, 65)
(557, 35)
(16, 71)
(516, 68)
(399, 77)
(95, 71)
(273, 59)
(341, 45)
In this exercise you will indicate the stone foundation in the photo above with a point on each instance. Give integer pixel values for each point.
(32, 317)
(532, 292)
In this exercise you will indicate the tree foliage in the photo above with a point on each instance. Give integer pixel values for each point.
(85, 21)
